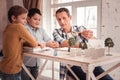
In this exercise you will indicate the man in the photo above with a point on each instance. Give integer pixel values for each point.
(61, 35)
(33, 26)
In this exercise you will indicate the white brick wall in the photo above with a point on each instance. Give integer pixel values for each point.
(111, 27)
(111, 21)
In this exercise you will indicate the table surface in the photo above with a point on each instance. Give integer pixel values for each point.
(87, 63)
(64, 56)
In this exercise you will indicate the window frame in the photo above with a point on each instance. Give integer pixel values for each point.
(76, 4)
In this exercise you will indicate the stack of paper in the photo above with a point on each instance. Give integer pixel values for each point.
(32, 49)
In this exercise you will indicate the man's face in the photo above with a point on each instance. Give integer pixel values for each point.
(20, 19)
(34, 21)
(63, 20)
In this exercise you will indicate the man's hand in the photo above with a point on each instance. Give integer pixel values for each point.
(88, 34)
(64, 43)
(52, 44)
(41, 45)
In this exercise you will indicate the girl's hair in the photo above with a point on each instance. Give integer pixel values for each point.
(16, 11)
(33, 11)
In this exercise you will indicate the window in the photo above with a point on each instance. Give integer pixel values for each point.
(87, 16)
(84, 12)
(63, 1)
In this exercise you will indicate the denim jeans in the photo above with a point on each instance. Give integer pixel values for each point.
(16, 76)
(79, 72)
(33, 71)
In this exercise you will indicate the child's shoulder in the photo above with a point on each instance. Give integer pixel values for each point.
(15, 24)
(18, 26)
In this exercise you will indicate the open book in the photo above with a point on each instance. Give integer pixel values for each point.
(36, 49)
(30, 49)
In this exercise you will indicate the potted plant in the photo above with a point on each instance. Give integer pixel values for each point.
(109, 43)
(71, 42)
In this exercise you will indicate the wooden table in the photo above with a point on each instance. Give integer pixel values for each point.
(86, 63)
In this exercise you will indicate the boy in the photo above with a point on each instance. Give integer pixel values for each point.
(14, 35)
(33, 26)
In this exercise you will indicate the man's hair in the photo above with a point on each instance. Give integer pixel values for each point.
(33, 11)
(16, 10)
(63, 10)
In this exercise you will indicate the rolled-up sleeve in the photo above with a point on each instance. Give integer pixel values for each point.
(45, 35)
(57, 37)
(24, 34)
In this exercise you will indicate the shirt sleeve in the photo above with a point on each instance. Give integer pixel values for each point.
(26, 36)
(57, 37)
(80, 28)
(81, 38)
(45, 35)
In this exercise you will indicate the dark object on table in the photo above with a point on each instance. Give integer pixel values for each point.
(83, 45)
(71, 42)
(109, 42)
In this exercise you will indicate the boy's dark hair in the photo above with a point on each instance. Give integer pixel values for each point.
(63, 10)
(33, 11)
(16, 11)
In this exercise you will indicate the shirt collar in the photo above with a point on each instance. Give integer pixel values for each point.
(72, 29)
(32, 27)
